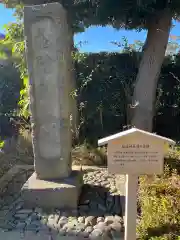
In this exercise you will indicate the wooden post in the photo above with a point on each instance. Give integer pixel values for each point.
(131, 207)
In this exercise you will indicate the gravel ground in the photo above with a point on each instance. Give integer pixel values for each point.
(99, 213)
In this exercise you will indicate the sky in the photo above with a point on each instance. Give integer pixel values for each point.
(94, 39)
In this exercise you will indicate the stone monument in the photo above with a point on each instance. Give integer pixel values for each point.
(48, 49)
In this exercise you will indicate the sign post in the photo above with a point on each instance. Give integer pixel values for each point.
(134, 152)
(131, 207)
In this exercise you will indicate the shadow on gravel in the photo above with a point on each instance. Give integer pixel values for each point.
(98, 201)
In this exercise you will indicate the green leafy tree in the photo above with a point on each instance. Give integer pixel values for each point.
(109, 78)
(14, 42)
(153, 15)
(15, 38)
(10, 85)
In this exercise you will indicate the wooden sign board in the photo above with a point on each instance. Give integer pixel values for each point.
(136, 152)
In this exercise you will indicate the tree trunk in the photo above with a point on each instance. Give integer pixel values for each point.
(144, 96)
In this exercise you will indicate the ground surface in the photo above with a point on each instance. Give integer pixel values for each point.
(99, 214)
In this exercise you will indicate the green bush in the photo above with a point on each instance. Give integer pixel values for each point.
(86, 154)
(159, 200)
(1, 144)
(173, 160)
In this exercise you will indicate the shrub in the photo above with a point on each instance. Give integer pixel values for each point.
(159, 201)
(173, 159)
(85, 154)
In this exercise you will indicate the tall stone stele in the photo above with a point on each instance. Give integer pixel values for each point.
(48, 50)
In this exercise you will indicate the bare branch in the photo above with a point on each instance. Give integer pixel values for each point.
(175, 77)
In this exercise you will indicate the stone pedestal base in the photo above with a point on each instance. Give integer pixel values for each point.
(63, 193)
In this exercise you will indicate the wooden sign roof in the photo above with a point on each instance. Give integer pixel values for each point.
(133, 131)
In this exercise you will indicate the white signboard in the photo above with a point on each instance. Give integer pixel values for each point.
(134, 152)
(128, 157)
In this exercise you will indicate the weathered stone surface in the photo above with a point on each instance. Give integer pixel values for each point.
(52, 194)
(48, 47)
(81, 219)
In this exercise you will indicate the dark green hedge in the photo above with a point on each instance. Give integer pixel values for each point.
(105, 85)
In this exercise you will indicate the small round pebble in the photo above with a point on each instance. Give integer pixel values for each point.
(63, 218)
(118, 218)
(116, 226)
(109, 219)
(81, 219)
(62, 221)
(101, 226)
(96, 233)
(100, 219)
(90, 221)
(89, 229)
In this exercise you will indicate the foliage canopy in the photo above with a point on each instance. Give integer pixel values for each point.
(128, 14)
